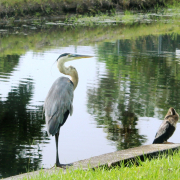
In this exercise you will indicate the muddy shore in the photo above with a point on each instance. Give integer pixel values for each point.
(56, 7)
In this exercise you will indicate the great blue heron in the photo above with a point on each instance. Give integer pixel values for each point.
(167, 127)
(58, 103)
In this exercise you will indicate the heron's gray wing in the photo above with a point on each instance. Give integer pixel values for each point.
(58, 104)
(164, 133)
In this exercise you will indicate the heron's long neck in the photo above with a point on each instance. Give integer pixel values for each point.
(66, 70)
(74, 78)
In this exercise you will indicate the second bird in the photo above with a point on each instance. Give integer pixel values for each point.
(167, 127)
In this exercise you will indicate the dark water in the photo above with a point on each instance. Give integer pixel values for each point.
(123, 94)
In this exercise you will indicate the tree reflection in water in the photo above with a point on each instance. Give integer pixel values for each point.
(20, 131)
(141, 75)
(126, 135)
(117, 119)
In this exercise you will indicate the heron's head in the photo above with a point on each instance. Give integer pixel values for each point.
(69, 57)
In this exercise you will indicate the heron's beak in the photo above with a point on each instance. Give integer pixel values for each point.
(78, 56)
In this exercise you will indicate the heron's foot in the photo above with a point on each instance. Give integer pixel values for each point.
(53, 166)
(64, 166)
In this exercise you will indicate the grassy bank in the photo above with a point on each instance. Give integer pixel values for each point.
(164, 167)
(20, 8)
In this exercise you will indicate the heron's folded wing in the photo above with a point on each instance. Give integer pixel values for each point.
(58, 102)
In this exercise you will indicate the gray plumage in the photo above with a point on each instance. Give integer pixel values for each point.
(167, 127)
(58, 102)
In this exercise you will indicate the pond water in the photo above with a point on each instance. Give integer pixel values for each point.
(123, 94)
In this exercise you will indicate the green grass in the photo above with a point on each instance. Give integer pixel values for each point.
(164, 167)
(27, 1)
(159, 14)
(24, 8)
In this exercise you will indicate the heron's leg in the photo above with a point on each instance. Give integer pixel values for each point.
(57, 155)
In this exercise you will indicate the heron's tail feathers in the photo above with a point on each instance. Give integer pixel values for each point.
(52, 126)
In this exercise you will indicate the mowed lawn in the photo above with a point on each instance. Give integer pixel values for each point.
(164, 167)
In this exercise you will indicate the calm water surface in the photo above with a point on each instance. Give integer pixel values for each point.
(123, 94)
